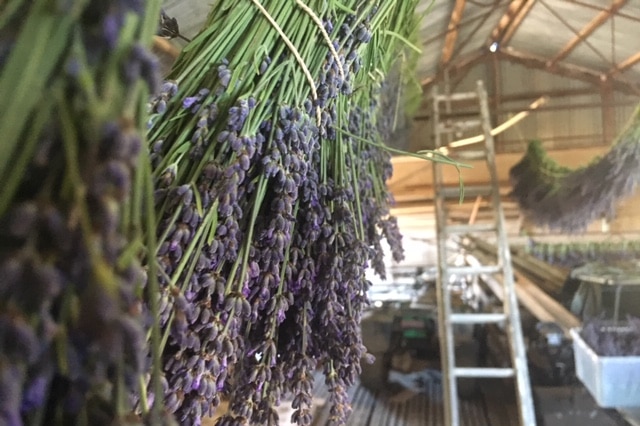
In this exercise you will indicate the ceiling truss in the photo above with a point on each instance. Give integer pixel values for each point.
(501, 35)
(452, 32)
(569, 70)
(626, 64)
(510, 22)
(587, 30)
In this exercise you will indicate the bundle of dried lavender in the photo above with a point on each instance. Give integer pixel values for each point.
(569, 200)
(271, 200)
(72, 332)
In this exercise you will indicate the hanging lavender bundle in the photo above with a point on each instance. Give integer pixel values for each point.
(569, 200)
(271, 201)
(610, 339)
(570, 255)
(75, 77)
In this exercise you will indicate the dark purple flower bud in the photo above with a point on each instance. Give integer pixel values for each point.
(213, 112)
(172, 403)
(244, 162)
(111, 29)
(73, 67)
(197, 136)
(169, 88)
(223, 136)
(328, 26)
(188, 102)
(11, 382)
(161, 106)
(34, 394)
(237, 143)
(202, 122)
(20, 220)
(264, 65)
(18, 339)
(224, 75)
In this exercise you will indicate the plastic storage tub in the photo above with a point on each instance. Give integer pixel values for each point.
(613, 381)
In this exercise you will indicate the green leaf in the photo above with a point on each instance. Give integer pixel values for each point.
(35, 57)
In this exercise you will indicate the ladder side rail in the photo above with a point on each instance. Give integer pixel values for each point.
(443, 295)
(518, 352)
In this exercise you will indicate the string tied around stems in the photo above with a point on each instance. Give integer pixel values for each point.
(296, 54)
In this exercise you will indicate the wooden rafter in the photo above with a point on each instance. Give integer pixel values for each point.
(620, 13)
(510, 21)
(422, 116)
(452, 32)
(623, 65)
(568, 70)
(456, 67)
(588, 29)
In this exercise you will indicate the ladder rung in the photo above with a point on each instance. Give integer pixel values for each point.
(476, 227)
(464, 96)
(478, 318)
(469, 155)
(474, 270)
(458, 126)
(483, 372)
(469, 191)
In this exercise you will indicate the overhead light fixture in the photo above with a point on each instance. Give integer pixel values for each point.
(494, 47)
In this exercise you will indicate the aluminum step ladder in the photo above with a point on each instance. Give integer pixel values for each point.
(509, 317)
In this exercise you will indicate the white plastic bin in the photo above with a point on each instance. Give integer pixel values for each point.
(613, 381)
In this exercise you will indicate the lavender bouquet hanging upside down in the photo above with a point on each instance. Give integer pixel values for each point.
(569, 200)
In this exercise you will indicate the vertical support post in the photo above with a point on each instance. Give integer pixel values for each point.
(497, 89)
(608, 113)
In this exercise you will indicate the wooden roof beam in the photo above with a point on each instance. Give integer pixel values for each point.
(510, 21)
(623, 65)
(620, 13)
(452, 32)
(459, 65)
(567, 70)
(588, 29)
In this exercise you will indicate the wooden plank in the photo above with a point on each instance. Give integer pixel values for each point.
(452, 32)
(567, 70)
(510, 21)
(457, 67)
(587, 30)
(566, 319)
(623, 65)
(592, 6)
